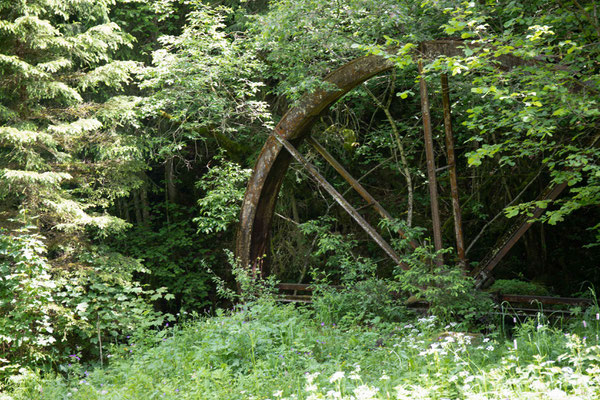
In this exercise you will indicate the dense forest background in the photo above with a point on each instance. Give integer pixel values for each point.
(129, 130)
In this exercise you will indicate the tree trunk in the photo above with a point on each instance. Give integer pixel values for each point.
(170, 181)
(125, 203)
(136, 205)
(145, 203)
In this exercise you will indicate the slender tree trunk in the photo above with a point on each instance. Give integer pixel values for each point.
(119, 205)
(170, 190)
(405, 169)
(145, 203)
(125, 202)
(435, 213)
(458, 229)
(170, 180)
(137, 207)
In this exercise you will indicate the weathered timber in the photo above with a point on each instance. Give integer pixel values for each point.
(513, 299)
(271, 165)
(341, 200)
(431, 177)
(458, 231)
(481, 274)
(293, 298)
(547, 300)
(302, 287)
(354, 183)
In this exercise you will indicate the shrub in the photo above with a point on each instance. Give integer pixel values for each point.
(368, 301)
(50, 311)
(515, 286)
(450, 293)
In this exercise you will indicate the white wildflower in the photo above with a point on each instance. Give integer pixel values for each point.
(310, 387)
(337, 376)
(567, 370)
(402, 393)
(278, 393)
(334, 394)
(384, 377)
(364, 392)
(538, 386)
(420, 393)
(311, 377)
(557, 394)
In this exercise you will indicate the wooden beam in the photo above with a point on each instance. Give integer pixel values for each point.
(355, 184)
(458, 229)
(340, 200)
(520, 298)
(433, 196)
(514, 234)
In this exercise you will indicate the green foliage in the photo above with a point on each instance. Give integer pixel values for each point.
(251, 285)
(515, 286)
(176, 257)
(48, 311)
(362, 302)
(270, 351)
(301, 40)
(54, 141)
(543, 104)
(224, 186)
(203, 80)
(363, 298)
(106, 296)
(450, 293)
(26, 301)
(337, 253)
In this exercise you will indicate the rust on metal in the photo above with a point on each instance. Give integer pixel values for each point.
(435, 213)
(340, 200)
(272, 163)
(481, 275)
(458, 229)
(354, 183)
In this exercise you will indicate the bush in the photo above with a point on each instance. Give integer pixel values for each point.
(48, 312)
(369, 301)
(450, 293)
(515, 286)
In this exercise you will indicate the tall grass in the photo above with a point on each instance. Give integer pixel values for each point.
(270, 351)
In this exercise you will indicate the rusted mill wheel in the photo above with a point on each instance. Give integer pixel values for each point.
(263, 187)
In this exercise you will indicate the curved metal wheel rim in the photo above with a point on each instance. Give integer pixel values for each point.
(263, 187)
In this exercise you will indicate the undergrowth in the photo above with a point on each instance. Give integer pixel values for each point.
(270, 351)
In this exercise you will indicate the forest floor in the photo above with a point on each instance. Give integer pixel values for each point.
(272, 351)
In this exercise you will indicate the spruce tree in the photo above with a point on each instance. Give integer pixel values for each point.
(60, 150)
